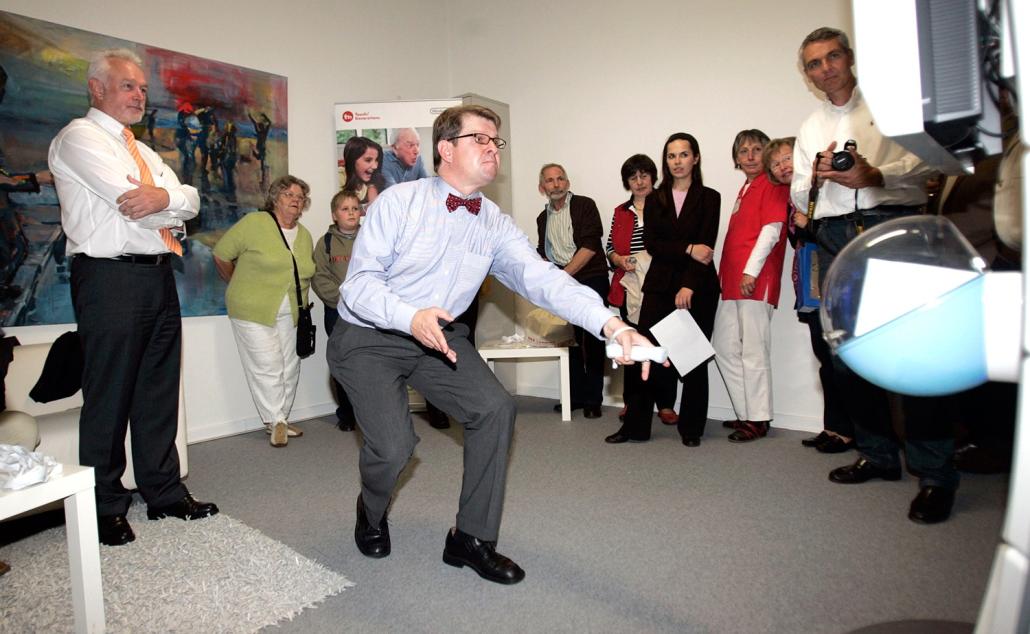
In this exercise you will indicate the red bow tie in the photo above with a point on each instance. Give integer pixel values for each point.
(470, 204)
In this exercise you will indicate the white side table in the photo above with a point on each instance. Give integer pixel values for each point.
(75, 487)
(490, 352)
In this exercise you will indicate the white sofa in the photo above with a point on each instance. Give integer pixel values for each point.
(58, 421)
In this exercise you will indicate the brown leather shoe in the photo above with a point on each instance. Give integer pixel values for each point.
(280, 435)
(292, 431)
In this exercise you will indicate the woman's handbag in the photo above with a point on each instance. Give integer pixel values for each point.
(305, 327)
(305, 332)
(807, 285)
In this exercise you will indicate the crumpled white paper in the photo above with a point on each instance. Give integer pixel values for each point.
(516, 338)
(20, 468)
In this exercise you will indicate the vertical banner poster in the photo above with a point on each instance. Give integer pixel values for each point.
(383, 143)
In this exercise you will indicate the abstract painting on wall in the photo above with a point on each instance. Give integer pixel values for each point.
(221, 127)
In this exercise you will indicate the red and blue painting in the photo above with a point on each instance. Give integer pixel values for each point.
(221, 127)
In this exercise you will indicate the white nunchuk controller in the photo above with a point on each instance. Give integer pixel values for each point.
(639, 353)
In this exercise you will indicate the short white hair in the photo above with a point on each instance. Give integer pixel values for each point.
(400, 132)
(100, 62)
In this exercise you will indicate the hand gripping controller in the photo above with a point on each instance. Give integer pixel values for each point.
(639, 353)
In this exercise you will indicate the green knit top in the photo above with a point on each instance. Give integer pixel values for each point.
(264, 268)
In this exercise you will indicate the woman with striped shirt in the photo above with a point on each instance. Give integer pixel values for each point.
(626, 254)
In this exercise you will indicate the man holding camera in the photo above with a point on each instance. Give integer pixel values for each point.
(854, 192)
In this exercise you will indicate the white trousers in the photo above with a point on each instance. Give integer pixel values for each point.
(270, 363)
(743, 346)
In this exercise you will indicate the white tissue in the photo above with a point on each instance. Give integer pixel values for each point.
(20, 468)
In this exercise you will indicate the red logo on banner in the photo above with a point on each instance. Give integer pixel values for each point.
(348, 115)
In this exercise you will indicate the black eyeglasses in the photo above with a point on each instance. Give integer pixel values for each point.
(482, 139)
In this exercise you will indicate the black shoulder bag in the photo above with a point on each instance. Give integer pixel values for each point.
(305, 328)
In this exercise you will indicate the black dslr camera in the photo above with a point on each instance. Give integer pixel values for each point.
(843, 161)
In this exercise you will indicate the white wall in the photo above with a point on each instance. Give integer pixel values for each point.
(591, 83)
(588, 82)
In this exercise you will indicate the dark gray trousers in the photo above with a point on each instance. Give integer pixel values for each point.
(131, 332)
(374, 367)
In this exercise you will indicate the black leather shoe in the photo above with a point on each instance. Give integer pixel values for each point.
(372, 541)
(345, 425)
(114, 530)
(815, 441)
(617, 438)
(591, 411)
(863, 471)
(572, 407)
(692, 442)
(437, 419)
(974, 459)
(835, 444)
(620, 437)
(462, 549)
(932, 505)
(185, 509)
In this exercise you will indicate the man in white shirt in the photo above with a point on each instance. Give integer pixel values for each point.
(119, 206)
(886, 181)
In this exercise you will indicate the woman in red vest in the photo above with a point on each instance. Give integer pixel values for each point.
(749, 275)
(629, 261)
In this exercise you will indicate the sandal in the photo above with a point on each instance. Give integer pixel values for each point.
(750, 430)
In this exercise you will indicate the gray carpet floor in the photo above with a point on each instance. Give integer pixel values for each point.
(649, 537)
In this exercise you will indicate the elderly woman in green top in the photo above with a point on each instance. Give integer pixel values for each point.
(261, 298)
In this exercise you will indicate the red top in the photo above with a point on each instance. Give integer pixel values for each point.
(623, 223)
(763, 203)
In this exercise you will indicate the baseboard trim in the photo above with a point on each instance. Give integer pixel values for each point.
(244, 425)
(253, 423)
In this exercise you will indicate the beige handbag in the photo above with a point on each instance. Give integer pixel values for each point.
(633, 282)
(544, 329)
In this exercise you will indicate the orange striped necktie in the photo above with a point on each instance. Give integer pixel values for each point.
(147, 178)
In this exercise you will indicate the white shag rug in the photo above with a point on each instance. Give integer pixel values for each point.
(213, 575)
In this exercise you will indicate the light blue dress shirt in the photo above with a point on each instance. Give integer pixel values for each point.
(412, 254)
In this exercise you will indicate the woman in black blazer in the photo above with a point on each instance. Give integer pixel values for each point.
(681, 221)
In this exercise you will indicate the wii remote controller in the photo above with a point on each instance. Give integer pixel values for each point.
(639, 353)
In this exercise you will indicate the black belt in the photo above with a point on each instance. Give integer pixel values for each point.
(131, 258)
(879, 210)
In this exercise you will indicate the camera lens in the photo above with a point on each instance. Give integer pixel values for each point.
(842, 161)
